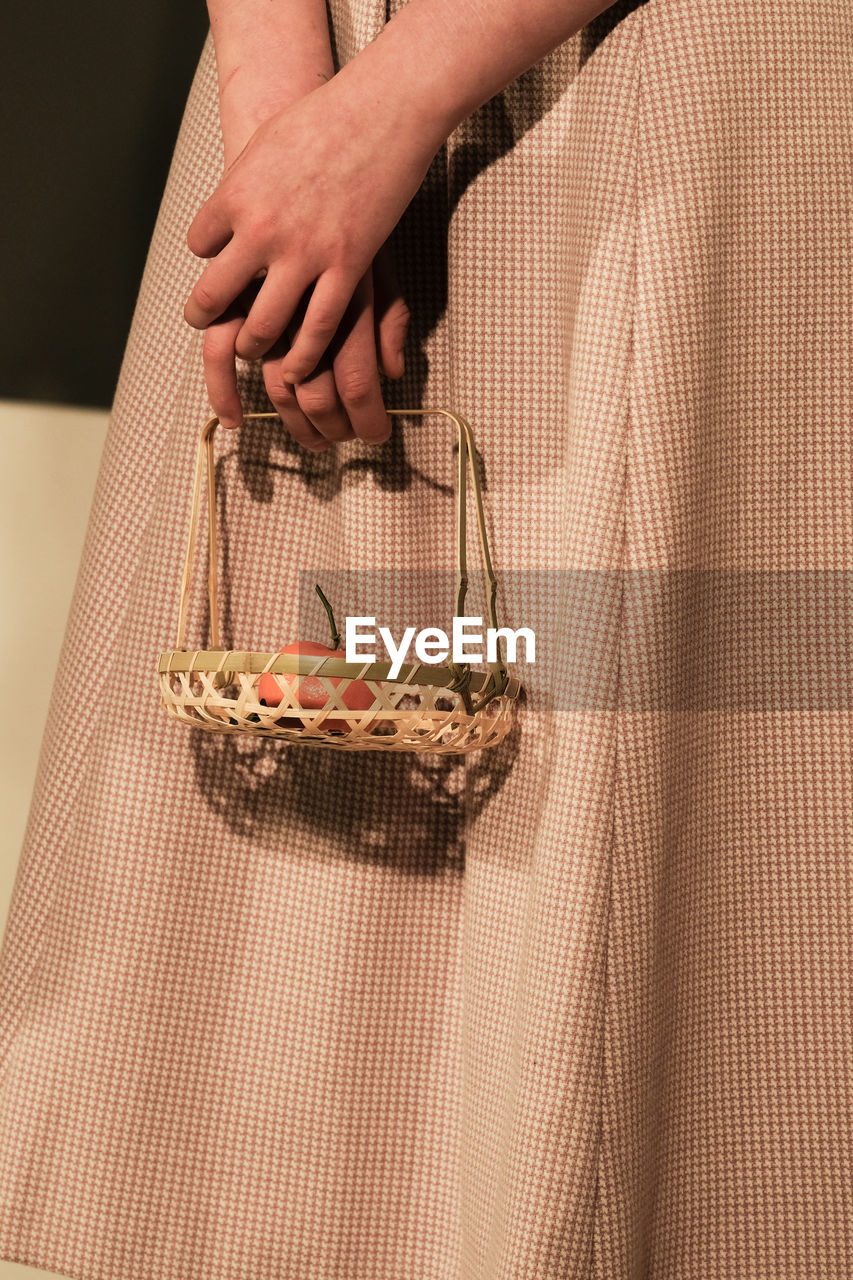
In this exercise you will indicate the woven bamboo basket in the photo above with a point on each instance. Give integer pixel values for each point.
(446, 709)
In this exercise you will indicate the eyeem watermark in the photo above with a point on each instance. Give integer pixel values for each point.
(433, 646)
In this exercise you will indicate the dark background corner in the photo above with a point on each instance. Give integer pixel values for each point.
(92, 101)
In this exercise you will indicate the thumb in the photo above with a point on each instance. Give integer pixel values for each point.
(391, 315)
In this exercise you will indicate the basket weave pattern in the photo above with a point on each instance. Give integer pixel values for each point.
(403, 717)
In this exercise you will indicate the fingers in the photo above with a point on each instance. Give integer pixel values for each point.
(342, 398)
(312, 410)
(218, 286)
(219, 370)
(210, 230)
(332, 295)
(356, 373)
(273, 308)
(391, 313)
(283, 396)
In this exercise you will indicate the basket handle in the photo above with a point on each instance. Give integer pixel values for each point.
(500, 677)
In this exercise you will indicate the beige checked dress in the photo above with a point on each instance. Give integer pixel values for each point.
(575, 1007)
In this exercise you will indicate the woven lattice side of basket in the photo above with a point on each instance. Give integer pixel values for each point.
(401, 716)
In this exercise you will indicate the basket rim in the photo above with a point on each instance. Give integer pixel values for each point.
(256, 662)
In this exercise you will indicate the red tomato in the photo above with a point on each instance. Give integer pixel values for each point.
(311, 693)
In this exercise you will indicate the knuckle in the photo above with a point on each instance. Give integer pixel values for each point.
(262, 328)
(349, 259)
(325, 320)
(355, 385)
(280, 392)
(316, 401)
(259, 226)
(204, 296)
(217, 344)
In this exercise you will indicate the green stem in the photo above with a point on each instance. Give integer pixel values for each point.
(336, 638)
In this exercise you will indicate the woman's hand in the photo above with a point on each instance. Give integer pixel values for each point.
(309, 202)
(342, 398)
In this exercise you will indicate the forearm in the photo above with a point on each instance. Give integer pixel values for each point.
(436, 61)
(268, 54)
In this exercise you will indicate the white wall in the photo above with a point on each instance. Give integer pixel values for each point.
(50, 461)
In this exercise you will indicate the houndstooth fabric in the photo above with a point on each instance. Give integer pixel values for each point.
(578, 1006)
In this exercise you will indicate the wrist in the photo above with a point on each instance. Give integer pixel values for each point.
(412, 73)
(394, 77)
(245, 103)
(267, 57)
(436, 61)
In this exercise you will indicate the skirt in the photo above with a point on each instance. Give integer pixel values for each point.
(575, 1006)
